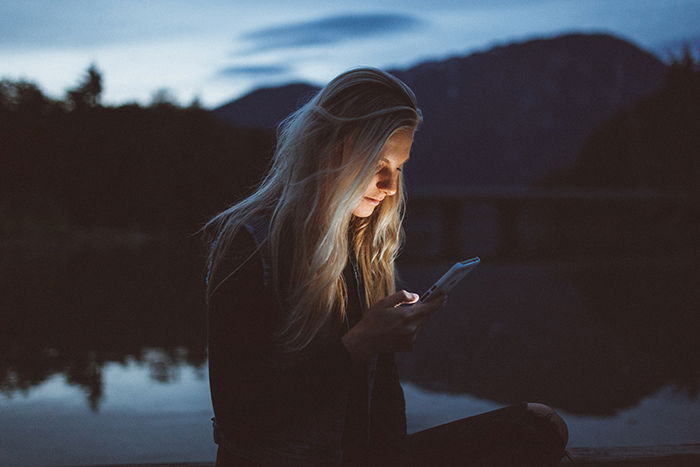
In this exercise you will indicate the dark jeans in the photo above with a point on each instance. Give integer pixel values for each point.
(508, 437)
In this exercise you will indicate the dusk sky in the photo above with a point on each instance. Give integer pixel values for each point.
(218, 49)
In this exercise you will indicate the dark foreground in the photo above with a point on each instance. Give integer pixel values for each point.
(675, 455)
(680, 455)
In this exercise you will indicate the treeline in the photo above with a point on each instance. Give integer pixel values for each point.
(77, 163)
(74, 162)
(654, 145)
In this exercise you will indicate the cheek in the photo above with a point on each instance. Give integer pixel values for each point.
(372, 185)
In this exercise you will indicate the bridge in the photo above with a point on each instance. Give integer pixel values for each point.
(668, 211)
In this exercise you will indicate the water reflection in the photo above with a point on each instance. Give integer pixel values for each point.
(169, 423)
(592, 337)
(589, 337)
(73, 312)
(140, 421)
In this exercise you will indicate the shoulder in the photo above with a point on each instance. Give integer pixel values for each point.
(241, 264)
(246, 245)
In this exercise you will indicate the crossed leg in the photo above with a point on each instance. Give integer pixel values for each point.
(527, 434)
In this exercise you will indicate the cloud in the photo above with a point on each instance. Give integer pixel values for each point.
(329, 30)
(255, 71)
(52, 24)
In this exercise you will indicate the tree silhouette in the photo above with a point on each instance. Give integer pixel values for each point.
(652, 145)
(76, 163)
(23, 96)
(87, 94)
(163, 97)
(683, 71)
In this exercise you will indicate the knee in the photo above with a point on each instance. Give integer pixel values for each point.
(557, 422)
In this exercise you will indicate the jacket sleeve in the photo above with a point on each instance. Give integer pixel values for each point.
(252, 383)
(388, 441)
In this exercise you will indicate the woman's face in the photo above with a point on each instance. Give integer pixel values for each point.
(394, 155)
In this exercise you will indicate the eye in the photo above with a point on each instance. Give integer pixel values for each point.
(399, 169)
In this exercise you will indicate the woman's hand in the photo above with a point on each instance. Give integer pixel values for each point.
(388, 326)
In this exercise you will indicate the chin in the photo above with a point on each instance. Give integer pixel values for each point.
(363, 212)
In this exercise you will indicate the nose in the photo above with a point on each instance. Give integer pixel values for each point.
(388, 182)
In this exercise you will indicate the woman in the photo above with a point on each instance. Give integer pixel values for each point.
(303, 313)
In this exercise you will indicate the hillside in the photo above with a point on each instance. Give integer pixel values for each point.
(263, 108)
(652, 145)
(502, 117)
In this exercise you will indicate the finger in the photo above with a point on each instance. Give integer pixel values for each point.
(441, 299)
(412, 328)
(398, 298)
(418, 310)
(419, 322)
(437, 300)
(437, 297)
(424, 310)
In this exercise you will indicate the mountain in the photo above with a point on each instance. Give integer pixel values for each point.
(264, 108)
(652, 145)
(502, 117)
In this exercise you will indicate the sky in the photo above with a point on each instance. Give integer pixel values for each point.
(217, 50)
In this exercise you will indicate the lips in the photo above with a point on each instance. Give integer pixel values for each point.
(373, 200)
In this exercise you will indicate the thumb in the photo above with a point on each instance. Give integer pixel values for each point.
(398, 298)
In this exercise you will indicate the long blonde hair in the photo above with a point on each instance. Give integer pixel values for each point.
(327, 153)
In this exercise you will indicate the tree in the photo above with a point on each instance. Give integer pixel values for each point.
(652, 145)
(684, 70)
(87, 94)
(164, 97)
(23, 96)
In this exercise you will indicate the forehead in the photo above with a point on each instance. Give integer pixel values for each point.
(397, 147)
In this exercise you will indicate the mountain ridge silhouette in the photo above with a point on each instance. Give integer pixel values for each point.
(503, 117)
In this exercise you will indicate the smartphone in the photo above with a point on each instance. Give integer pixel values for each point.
(455, 274)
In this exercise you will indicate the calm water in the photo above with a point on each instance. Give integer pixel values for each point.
(102, 352)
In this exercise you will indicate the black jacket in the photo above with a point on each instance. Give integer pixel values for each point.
(282, 410)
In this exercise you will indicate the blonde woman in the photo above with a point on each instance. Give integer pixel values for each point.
(303, 312)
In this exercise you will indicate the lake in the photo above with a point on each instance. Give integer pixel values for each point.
(102, 350)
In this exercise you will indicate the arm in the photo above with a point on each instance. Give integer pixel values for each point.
(388, 442)
(251, 382)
